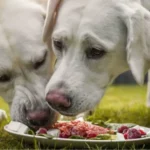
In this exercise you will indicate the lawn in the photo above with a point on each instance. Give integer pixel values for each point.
(122, 104)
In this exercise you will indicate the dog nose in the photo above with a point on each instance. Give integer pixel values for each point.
(38, 118)
(58, 99)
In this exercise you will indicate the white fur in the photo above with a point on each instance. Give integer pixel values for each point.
(120, 28)
(21, 46)
(3, 115)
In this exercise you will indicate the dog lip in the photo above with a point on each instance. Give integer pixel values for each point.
(36, 127)
(67, 114)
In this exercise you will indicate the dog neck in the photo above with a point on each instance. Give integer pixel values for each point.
(146, 27)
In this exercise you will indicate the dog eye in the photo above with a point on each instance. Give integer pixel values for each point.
(95, 53)
(5, 78)
(39, 63)
(58, 44)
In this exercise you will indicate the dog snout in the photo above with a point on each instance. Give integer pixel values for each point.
(38, 117)
(58, 99)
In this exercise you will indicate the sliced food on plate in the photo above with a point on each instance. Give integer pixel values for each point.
(80, 130)
(77, 129)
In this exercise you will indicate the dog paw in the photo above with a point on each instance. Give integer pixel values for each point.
(3, 115)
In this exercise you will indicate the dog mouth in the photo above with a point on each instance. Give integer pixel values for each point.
(65, 111)
(68, 114)
(40, 118)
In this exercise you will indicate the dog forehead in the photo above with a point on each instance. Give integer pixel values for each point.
(101, 18)
(99, 13)
(70, 13)
(89, 16)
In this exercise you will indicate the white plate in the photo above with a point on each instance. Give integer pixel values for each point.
(79, 143)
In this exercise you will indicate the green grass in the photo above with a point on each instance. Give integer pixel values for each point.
(121, 104)
(124, 104)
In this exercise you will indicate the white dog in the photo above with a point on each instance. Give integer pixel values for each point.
(94, 41)
(24, 63)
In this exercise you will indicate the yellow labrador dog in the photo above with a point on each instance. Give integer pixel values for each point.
(94, 41)
(24, 63)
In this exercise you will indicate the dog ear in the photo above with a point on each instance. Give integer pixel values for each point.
(133, 18)
(50, 18)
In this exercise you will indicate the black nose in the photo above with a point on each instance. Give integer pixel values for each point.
(58, 99)
(38, 118)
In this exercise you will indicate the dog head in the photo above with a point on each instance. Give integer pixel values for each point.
(94, 41)
(24, 62)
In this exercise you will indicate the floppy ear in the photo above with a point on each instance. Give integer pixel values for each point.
(133, 18)
(50, 17)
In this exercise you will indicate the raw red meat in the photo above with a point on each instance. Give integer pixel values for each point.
(79, 128)
(123, 129)
(41, 131)
(133, 134)
(142, 132)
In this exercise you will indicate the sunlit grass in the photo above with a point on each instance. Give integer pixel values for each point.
(124, 104)
(121, 104)
(4, 105)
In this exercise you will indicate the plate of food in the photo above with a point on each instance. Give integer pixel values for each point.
(82, 134)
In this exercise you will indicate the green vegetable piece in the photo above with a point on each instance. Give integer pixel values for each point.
(76, 137)
(31, 132)
(105, 137)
